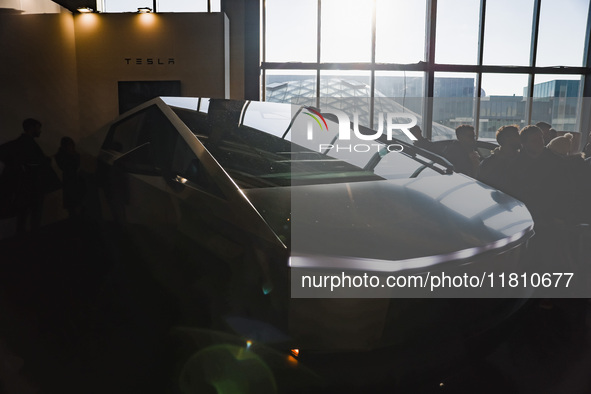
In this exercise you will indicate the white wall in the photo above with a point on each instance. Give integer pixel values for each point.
(118, 47)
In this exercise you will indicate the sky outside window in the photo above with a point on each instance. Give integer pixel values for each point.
(400, 31)
(507, 32)
(400, 34)
(562, 32)
(504, 84)
(187, 6)
(346, 31)
(292, 38)
(162, 5)
(126, 5)
(457, 31)
(182, 6)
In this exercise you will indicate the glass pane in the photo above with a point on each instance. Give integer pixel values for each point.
(562, 32)
(161, 134)
(346, 31)
(399, 92)
(399, 84)
(186, 164)
(216, 5)
(556, 101)
(291, 30)
(126, 5)
(453, 103)
(503, 45)
(400, 31)
(457, 31)
(348, 91)
(502, 102)
(123, 136)
(281, 86)
(272, 118)
(182, 6)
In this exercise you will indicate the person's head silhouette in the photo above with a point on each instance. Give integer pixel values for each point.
(32, 127)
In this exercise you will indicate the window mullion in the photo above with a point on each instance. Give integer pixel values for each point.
(430, 35)
(532, 60)
(372, 81)
(263, 92)
(318, 52)
(478, 87)
(585, 104)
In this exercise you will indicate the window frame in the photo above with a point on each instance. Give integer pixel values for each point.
(102, 5)
(429, 67)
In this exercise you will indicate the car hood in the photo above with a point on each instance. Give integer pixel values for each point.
(415, 222)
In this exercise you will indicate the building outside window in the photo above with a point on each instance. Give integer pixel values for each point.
(487, 63)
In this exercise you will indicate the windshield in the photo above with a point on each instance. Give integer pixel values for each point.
(253, 142)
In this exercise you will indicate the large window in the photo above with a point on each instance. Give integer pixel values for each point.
(556, 100)
(562, 32)
(503, 102)
(159, 5)
(487, 63)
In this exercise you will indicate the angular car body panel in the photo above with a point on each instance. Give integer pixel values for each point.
(227, 175)
(421, 219)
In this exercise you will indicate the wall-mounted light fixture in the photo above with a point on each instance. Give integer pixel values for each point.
(144, 10)
(85, 10)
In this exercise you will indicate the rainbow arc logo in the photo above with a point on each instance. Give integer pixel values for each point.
(315, 118)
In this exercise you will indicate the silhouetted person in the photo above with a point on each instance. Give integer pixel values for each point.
(539, 184)
(496, 169)
(28, 171)
(547, 131)
(574, 200)
(422, 142)
(68, 160)
(561, 145)
(537, 175)
(462, 152)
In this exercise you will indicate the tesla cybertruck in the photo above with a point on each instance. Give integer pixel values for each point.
(253, 206)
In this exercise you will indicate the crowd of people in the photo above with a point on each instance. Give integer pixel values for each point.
(27, 175)
(541, 172)
(533, 164)
(540, 168)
